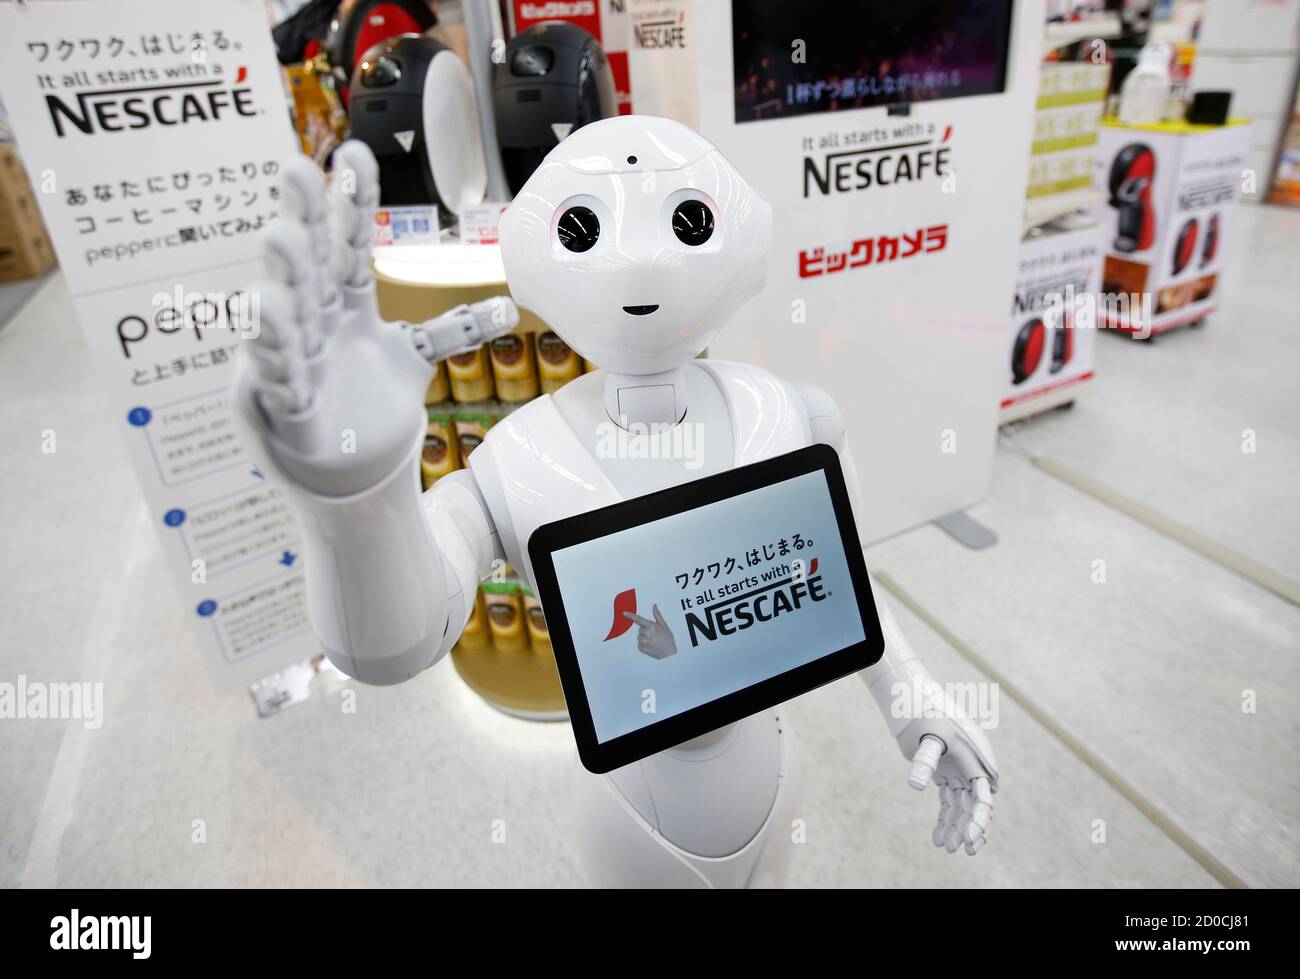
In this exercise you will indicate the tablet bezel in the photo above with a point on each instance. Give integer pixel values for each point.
(600, 757)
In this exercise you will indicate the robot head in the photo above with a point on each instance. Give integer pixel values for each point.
(635, 241)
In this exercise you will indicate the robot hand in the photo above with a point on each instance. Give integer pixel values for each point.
(954, 753)
(943, 745)
(337, 391)
(655, 639)
(331, 400)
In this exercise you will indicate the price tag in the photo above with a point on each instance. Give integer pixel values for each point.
(478, 223)
(411, 225)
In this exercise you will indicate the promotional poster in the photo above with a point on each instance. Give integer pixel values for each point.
(872, 169)
(155, 138)
(1053, 319)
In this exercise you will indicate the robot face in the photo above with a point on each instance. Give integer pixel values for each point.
(635, 241)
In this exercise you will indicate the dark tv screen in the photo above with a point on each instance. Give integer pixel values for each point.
(860, 53)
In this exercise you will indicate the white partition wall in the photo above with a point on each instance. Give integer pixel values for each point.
(896, 235)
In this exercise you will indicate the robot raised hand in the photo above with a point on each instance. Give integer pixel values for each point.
(330, 398)
(336, 390)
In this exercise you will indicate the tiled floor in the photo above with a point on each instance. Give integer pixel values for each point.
(1141, 677)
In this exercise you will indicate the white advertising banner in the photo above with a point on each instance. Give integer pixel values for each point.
(154, 134)
(892, 141)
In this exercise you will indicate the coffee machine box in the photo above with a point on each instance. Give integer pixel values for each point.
(1168, 192)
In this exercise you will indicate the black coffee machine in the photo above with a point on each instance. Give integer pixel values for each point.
(553, 79)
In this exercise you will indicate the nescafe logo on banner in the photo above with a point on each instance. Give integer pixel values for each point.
(141, 107)
(844, 171)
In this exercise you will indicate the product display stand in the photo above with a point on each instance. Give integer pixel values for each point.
(1051, 326)
(1167, 241)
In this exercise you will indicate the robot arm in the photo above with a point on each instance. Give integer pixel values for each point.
(329, 397)
(462, 328)
(943, 745)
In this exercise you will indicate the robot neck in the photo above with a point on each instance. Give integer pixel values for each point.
(645, 399)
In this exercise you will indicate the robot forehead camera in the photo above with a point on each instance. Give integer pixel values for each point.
(635, 241)
(631, 144)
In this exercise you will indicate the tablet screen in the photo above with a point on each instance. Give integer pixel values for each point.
(689, 608)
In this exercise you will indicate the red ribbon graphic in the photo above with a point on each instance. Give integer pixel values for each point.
(624, 601)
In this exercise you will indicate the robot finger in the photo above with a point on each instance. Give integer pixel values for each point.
(277, 354)
(347, 265)
(306, 199)
(276, 322)
(277, 401)
(943, 826)
(303, 190)
(288, 258)
(355, 195)
(981, 809)
(924, 762)
(270, 365)
(356, 165)
(957, 831)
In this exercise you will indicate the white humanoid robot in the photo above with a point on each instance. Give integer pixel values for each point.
(635, 241)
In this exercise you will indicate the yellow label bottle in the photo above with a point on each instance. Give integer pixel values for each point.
(557, 362)
(505, 616)
(513, 368)
(538, 635)
(475, 634)
(441, 452)
(439, 385)
(470, 375)
(471, 424)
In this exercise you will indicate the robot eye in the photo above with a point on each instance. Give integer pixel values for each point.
(578, 229)
(693, 222)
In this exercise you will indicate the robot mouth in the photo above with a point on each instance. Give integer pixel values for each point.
(640, 310)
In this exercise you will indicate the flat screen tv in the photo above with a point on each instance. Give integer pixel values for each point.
(798, 57)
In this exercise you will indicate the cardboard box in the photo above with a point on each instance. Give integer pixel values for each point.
(1053, 327)
(25, 249)
(1168, 193)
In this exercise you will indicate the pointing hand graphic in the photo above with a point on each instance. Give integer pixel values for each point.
(654, 639)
